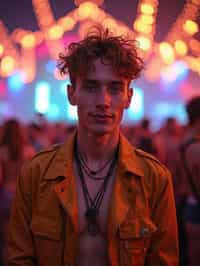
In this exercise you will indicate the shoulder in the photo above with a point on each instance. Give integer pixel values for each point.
(48, 152)
(149, 158)
(152, 166)
(42, 158)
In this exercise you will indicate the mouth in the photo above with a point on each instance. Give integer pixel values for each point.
(101, 116)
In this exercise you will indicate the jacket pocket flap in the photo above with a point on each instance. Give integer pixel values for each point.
(44, 227)
(137, 228)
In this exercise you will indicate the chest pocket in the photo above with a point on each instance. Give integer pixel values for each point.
(135, 238)
(48, 240)
(45, 228)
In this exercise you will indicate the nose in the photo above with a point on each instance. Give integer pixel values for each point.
(103, 98)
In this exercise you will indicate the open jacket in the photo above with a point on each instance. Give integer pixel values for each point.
(141, 226)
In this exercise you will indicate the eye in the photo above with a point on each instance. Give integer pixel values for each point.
(115, 89)
(90, 88)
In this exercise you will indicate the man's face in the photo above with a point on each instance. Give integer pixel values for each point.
(101, 97)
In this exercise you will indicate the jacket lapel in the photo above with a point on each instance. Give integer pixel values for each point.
(125, 189)
(61, 169)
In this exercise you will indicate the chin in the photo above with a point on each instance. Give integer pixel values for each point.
(101, 131)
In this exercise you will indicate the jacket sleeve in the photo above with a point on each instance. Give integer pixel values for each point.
(20, 241)
(164, 246)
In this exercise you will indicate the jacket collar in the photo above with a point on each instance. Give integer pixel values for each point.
(62, 165)
(128, 160)
(63, 160)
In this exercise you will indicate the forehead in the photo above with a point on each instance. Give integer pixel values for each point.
(102, 72)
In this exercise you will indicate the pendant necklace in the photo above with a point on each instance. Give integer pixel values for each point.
(93, 205)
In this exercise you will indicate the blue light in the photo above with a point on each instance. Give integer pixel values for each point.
(50, 66)
(72, 115)
(135, 112)
(15, 82)
(175, 72)
(42, 97)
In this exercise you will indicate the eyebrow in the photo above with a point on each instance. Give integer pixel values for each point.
(113, 82)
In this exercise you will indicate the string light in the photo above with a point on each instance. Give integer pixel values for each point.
(166, 52)
(147, 9)
(1, 49)
(28, 41)
(180, 47)
(7, 65)
(190, 27)
(144, 43)
(54, 32)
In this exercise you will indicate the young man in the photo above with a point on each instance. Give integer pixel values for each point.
(95, 200)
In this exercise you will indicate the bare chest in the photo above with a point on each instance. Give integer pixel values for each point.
(92, 248)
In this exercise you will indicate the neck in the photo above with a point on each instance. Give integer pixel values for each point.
(97, 149)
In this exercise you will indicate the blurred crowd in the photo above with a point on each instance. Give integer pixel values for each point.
(19, 142)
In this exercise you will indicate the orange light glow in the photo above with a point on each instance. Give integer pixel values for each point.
(144, 43)
(109, 23)
(147, 9)
(166, 52)
(7, 65)
(141, 27)
(28, 41)
(87, 9)
(190, 27)
(195, 46)
(180, 47)
(1, 49)
(55, 32)
(147, 19)
(67, 23)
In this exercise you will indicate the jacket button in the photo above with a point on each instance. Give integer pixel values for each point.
(144, 231)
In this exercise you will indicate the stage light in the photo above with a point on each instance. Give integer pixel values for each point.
(144, 43)
(136, 110)
(67, 23)
(147, 9)
(55, 32)
(87, 9)
(1, 49)
(7, 65)
(71, 112)
(191, 27)
(15, 81)
(42, 97)
(177, 71)
(28, 40)
(141, 27)
(180, 47)
(147, 19)
(53, 112)
(166, 52)
(50, 66)
(109, 23)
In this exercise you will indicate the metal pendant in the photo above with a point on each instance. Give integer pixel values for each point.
(93, 229)
(91, 216)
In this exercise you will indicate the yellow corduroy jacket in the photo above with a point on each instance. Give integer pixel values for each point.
(141, 228)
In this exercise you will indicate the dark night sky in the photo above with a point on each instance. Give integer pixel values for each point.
(19, 13)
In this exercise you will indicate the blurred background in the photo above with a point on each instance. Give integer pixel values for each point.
(32, 33)
(35, 112)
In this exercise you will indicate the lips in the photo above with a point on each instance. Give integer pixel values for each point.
(102, 116)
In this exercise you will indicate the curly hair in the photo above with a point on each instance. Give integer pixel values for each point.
(117, 51)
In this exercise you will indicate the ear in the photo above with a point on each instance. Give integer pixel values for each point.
(129, 97)
(71, 94)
